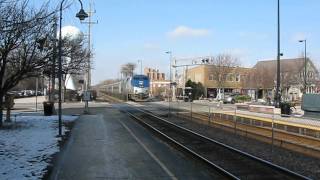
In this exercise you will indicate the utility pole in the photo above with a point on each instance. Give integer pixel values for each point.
(305, 66)
(278, 94)
(185, 79)
(88, 71)
(174, 80)
(170, 86)
(37, 83)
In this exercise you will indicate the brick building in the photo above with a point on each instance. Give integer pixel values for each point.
(159, 86)
(154, 74)
(229, 80)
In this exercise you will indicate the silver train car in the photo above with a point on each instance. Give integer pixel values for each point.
(136, 88)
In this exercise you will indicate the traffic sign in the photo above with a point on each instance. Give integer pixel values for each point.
(86, 95)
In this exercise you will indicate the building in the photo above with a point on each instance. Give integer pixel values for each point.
(263, 77)
(154, 74)
(258, 82)
(159, 86)
(219, 80)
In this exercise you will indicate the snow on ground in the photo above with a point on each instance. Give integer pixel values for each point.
(25, 150)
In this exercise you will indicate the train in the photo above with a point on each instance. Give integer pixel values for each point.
(135, 88)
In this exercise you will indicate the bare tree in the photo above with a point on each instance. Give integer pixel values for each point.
(223, 64)
(263, 78)
(21, 54)
(128, 69)
(296, 77)
(75, 58)
(259, 78)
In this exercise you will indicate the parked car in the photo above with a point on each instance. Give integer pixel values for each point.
(40, 93)
(184, 98)
(229, 98)
(16, 94)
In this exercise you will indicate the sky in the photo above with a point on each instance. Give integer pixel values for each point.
(132, 30)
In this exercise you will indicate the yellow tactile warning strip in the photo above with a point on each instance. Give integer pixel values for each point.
(303, 144)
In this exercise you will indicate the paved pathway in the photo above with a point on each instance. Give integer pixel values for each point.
(109, 145)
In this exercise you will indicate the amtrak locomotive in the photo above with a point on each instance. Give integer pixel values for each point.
(137, 87)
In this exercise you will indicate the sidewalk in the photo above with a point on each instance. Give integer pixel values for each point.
(27, 100)
(109, 145)
(35, 104)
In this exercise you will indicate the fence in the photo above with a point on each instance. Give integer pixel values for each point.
(263, 123)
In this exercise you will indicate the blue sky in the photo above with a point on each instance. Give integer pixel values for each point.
(129, 30)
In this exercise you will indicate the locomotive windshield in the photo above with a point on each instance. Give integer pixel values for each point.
(141, 81)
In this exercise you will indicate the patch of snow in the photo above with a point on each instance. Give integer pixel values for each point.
(25, 150)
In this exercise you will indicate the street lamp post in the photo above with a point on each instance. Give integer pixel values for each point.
(170, 74)
(81, 15)
(305, 67)
(278, 96)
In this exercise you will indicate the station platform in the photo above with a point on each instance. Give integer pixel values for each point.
(302, 122)
(110, 145)
(299, 122)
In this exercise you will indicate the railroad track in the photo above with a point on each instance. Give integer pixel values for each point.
(230, 162)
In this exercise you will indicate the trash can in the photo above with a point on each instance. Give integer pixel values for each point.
(48, 108)
(285, 109)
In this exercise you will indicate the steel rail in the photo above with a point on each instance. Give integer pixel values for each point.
(273, 166)
(220, 169)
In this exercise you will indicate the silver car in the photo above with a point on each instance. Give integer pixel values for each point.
(229, 99)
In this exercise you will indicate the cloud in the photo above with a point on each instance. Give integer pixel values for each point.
(187, 32)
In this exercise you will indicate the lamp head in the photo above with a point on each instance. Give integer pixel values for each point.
(82, 15)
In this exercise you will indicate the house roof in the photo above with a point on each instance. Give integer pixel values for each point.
(286, 65)
(264, 72)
